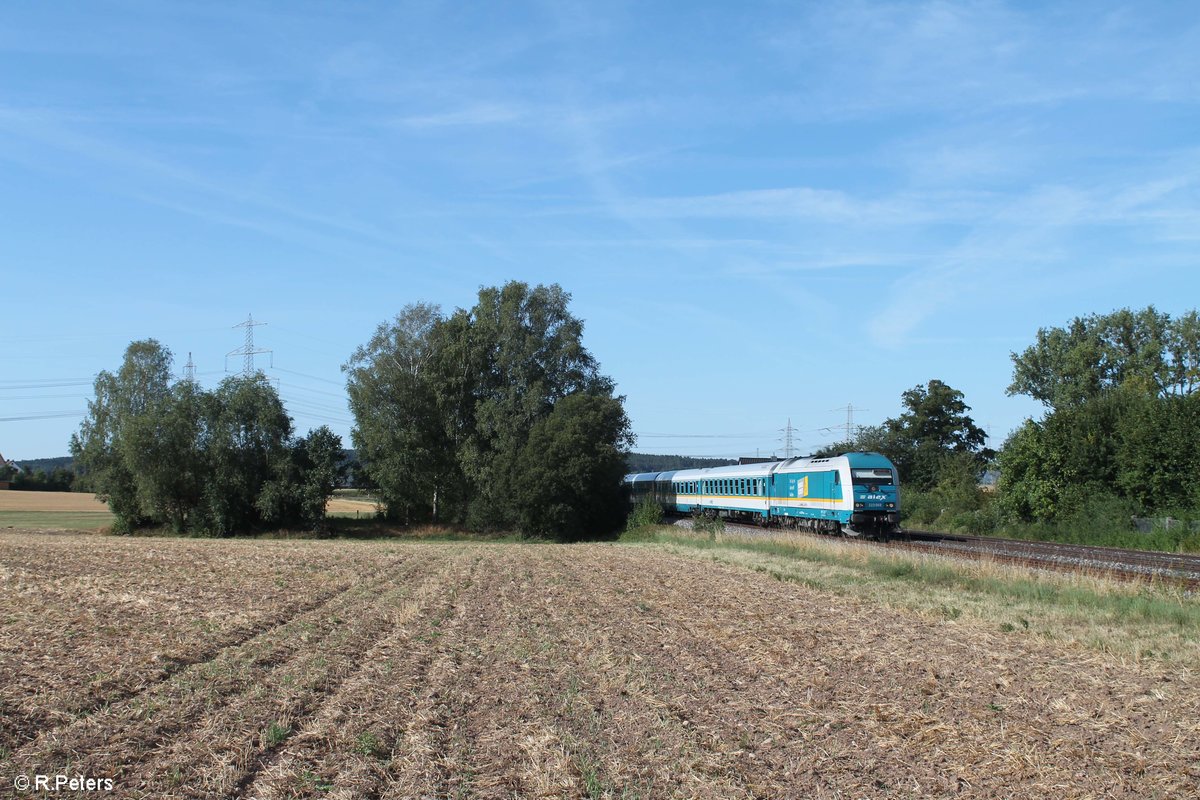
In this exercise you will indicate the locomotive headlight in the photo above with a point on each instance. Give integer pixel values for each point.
(891, 505)
(859, 505)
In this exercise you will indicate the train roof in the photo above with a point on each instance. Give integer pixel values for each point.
(854, 459)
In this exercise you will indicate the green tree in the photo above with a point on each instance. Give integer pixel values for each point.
(400, 433)
(169, 469)
(220, 462)
(1144, 351)
(303, 481)
(568, 476)
(106, 447)
(935, 425)
(1155, 457)
(462, 410)
(248, 440)
(524, 352)
(1122, 417)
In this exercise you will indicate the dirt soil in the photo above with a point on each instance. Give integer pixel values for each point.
(273, 669)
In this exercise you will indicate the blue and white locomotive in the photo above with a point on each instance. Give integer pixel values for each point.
(855, 494)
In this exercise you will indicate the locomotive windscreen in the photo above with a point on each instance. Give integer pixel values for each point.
(864, 477)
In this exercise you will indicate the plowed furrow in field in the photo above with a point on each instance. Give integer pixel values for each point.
(79, 659)
(430, 754)
(125, 732)
(243, 736)
(346, 746)
(511, 710)
(66, 702)
(613, 718)
(798, 689)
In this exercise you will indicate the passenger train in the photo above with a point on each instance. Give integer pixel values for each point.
(854, 494)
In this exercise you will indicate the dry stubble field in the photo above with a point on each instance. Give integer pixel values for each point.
(272, 669)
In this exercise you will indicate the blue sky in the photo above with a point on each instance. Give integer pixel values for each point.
(763, 211)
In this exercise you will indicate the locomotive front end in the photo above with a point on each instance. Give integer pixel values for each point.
(876, 498)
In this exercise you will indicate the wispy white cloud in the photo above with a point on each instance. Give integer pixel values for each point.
(474, 115)
(871, 58)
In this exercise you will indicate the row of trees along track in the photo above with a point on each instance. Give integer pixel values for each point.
(1122, 414)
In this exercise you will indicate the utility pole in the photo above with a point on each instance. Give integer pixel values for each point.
(247, 351)
(189, 370)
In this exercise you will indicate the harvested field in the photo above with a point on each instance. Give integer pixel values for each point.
(52, 510)
(278, 669)
(11, 500)
(81, 511)
(348, 506)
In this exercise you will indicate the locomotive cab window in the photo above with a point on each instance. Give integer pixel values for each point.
(877, 477)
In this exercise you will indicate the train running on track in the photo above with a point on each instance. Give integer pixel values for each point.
(854, 494)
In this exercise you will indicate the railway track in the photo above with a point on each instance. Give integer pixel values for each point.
(1121, 563)
(1110, 561)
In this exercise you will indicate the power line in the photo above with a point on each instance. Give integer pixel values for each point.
(44, 396)
(299, 388)
(700, 435)
(310, 377)
(50, 415)
(47, 384)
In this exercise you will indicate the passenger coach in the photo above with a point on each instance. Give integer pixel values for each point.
(853, 494)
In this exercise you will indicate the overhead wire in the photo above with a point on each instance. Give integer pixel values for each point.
(49, 415)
